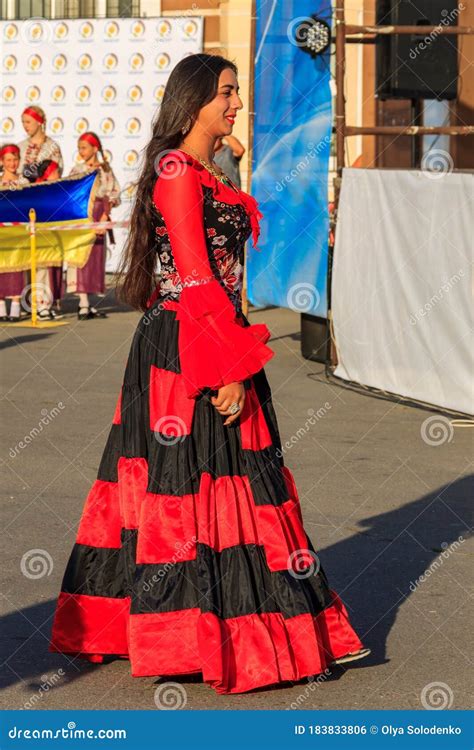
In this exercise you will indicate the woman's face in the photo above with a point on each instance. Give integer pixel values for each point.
(217, 118)
(10, 162)
(30, 125)
(86, 150)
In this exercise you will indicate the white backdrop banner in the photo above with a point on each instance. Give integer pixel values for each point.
(402, 288)
(104, 75)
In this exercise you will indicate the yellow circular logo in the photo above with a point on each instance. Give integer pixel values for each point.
(33, 94)
(107, 126)
(134, 94)
(133, 126)
(35, 32)
(136, 61)
(58, 94)
(109, 94)
(83, 94)
(110, 62)
(164, 29)
(81, 125)
(137, 29)
(84, 62)
(56, 125)
(9, 63)
(10, 31)
(60, 62)
(111, 30)
(162, 61)
(158, 93)
(86, 30)
(8, 94)
(190, 28)
(34, 63)
(61, 31)
(130, 158)
(6, 125)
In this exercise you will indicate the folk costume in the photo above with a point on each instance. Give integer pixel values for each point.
(12, 283)
(91, 278)
(191, 555)
(32, 155)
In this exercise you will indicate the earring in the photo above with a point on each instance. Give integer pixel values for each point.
(186, 126)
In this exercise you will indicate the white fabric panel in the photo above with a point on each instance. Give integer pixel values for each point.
(402, 286)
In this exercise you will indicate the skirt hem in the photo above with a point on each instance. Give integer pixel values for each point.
(234, 655)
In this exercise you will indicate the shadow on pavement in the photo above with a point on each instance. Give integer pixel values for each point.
(374, 571)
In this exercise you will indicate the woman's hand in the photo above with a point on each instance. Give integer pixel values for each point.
(104, 217)
(233, 393)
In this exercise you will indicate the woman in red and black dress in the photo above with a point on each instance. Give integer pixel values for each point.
(191, 555)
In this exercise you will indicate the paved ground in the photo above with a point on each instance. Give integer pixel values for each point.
(381, 505)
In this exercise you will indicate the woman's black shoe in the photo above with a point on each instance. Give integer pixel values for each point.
(90, 314)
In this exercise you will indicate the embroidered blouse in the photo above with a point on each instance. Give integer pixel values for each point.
(18, 182)
(107, 187)
(200, 229)
(34, 153)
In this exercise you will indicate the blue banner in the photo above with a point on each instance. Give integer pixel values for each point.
(233, 729)
(291, 146)
(63, 200)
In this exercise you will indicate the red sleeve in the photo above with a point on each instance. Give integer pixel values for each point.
(214, 347)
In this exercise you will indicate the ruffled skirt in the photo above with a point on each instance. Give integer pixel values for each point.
(191, 555)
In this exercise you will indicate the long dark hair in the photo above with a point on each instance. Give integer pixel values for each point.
(192, 84)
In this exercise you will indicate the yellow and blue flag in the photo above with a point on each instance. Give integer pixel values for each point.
(63, 203)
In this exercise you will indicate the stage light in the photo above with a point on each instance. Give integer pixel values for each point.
(314, 36)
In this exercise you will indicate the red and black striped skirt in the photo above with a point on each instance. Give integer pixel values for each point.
(191, 555)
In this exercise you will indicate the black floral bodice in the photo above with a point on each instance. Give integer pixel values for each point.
(227, 228)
